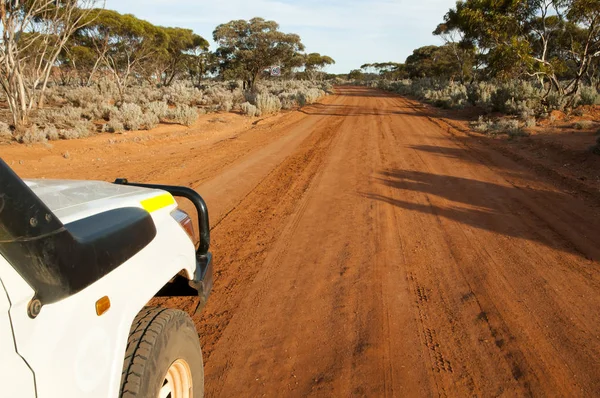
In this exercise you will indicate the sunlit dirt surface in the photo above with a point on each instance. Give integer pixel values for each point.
(363, 249)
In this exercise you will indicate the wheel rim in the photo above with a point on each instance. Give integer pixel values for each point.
(177, 382)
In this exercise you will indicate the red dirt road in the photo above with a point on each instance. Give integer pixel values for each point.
(363, 250)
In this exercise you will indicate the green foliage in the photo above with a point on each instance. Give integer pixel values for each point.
(316, 61)
(589, 96)
(356, 74)
(438, 62)
(511, 127)
(247, 48)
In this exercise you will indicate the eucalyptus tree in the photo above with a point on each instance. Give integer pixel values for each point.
(180, 45)
(123, 43)
(247, 48)
(34, 32)
(546, 39)
(314, 63)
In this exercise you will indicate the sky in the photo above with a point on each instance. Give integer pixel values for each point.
(352, 32)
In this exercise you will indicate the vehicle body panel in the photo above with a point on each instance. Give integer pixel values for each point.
(21, 382)
(72, 351)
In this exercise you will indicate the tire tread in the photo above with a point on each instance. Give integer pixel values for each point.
(145, 330)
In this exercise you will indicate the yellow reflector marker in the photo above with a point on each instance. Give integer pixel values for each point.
(102, 305)
(157, 202)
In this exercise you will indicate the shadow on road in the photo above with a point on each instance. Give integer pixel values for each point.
(505, 210)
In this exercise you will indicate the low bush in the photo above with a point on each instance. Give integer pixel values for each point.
(584, 125)
(184, 114)
(31, 135)
(5, 131)
(588, 96)
(144, 105)
(226, 106)
(130, 115)
(530, 122)
(482, 125)
(113, 126)
(158, 108)
(517, 98)
(63, 119)
(288, 100)
(450, 97)
(309, 96)
(73, 133)
(267, 104)
(248, 109)
(511, 127)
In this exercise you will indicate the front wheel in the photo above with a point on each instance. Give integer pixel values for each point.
(163, 357)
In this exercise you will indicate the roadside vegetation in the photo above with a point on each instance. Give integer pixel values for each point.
(71, 69)
(514, 61)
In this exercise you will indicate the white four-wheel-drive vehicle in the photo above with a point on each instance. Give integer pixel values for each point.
(79, 262)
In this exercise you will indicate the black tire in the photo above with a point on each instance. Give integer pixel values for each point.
(159, 337)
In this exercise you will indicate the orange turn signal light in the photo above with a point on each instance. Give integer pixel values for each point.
(102, 305)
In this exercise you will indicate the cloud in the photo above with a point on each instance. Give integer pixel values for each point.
(353, 32)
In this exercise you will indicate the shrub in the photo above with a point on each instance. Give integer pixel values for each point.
(249, 109)
(131, 117)
(501, 126)
(51, 133)
(451, 96)
(588, 96)
(584, 125)
(217, 95)
(226, 106)
(184, 114)
(507, 126)
(530, 122)
(5, 131)
(71, 134)
(179, 93)
(158, 108)
(288, 100)
(482, 125)
(516, 97)
(480, 94)
(113, 126)
(66, 118)
(309, 96)
(267, 104)
(149, 121)
(556, 101)
(83, 97)
(32, 135)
